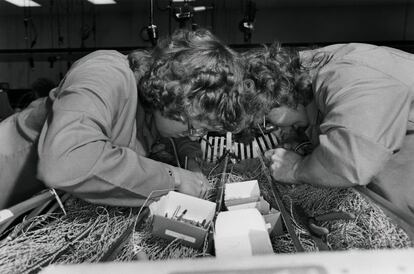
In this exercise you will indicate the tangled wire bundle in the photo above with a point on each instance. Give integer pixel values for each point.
(88, 231)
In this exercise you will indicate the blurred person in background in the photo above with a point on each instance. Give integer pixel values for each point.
(5, 108)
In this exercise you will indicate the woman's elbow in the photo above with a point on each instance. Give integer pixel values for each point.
(56, 173)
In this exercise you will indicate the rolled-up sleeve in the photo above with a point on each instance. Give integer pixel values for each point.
(365, 120)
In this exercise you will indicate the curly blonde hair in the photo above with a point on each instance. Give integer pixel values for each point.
(275, 76)
(194, 76)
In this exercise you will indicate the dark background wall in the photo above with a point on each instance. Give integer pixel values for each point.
(44, 41)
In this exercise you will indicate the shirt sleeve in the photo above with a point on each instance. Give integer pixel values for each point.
(76, 153)
(365, 119)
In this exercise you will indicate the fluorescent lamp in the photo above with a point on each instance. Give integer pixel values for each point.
(102, 2)
(23, 3)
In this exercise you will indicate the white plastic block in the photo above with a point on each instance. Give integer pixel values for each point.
(241, 233)
(241, 192)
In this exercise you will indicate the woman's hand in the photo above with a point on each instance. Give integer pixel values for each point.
(191, 183)
(283, 164)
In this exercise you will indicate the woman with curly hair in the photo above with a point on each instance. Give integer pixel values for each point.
(93, 136)
(356, 103)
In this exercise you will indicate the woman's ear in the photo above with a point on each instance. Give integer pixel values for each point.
(248, 85)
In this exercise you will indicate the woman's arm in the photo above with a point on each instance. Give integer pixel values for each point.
(76, 151)
(365, 120)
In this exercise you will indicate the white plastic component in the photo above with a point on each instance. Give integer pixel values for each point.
(241, 192)
(241, 233)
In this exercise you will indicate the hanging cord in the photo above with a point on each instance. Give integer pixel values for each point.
(33, 31)
(59, 26)
(94, 25)
(30, 37)
(175, 152)
(212, 15)
(152, 29)
(29, 27)
(26, 21)
(82, 25)
(406, 12)
(170, 14)
(51, 16)
(68, 12)
(26, 39)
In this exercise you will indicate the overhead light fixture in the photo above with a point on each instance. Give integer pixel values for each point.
(23, 3)
(102, 2)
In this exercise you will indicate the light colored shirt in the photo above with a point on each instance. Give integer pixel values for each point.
(90, 138)
(18, 156)
(364, 97)
(95, 142)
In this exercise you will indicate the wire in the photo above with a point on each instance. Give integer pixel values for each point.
(175, 152)
(94, 25)
(151, 13)
(212, 14)
(406, 12)
(58, 23)
(68, 12)
(52, 37)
